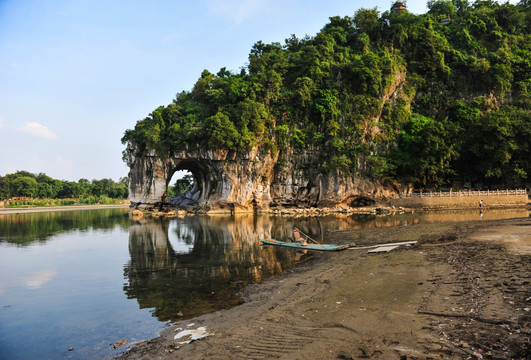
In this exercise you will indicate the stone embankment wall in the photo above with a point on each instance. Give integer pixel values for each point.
(461, 202)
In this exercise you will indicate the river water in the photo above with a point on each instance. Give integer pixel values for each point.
(73, 283)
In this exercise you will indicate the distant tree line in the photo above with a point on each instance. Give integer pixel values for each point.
(181, 186)
(41, 226)
(461, 112)
(26, 184)
(23, 230)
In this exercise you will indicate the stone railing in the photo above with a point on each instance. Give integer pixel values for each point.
(466, 193)
(463, 199)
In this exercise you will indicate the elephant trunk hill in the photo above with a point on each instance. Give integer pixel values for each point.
(373, 105)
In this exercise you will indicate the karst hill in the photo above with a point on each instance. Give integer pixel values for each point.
(373, 105)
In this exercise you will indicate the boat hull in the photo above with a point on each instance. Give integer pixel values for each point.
(317, 247)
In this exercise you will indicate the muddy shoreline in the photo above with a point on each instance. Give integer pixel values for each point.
(463, 291)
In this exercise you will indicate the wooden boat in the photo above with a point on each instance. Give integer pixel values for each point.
(301, 246)
(375, 248)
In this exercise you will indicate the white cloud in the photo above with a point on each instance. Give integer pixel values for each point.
(63, 162)
(40, 278)
(238, 10)
(1, 122)
(38, 130)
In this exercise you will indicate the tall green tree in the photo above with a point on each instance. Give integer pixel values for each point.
(24, 186)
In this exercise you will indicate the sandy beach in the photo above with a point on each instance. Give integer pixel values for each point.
(463, 291)
(59, 208)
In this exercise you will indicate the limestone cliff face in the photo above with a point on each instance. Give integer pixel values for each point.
(226, 181)
(223, 180)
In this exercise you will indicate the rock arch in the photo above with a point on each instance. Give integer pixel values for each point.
(224, 181)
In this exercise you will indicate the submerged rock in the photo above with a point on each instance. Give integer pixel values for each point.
(137, 213)
(119, 343)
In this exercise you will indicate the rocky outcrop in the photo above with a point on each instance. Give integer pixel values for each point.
(226, 181)
(229, 181)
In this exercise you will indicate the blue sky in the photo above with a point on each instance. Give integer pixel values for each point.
(74, 75)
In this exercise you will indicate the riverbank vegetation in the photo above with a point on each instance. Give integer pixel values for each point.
(23, 229)
(430, 100)
(27, 189)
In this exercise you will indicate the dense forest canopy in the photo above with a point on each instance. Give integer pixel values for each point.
(26, 184)
(433, 99)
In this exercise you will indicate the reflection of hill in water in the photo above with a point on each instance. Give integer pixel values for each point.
(197, 264)
(23, 229)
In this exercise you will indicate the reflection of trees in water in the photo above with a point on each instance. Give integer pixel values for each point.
(224, 256)
(221, 255)
(23, 229)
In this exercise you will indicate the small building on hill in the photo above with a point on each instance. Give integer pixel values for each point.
(399, 7)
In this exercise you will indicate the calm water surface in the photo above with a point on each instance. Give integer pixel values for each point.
(87, 279)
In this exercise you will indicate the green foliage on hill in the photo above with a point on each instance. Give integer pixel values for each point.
(428, 99)
(26, 184)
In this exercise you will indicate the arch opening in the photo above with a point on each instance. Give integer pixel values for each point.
(188, 185)
(180, 183)
(362, 201)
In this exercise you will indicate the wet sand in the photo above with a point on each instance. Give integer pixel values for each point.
(463, 291)
(59, 208)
